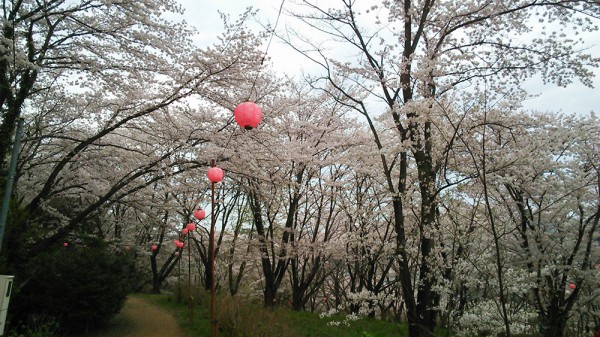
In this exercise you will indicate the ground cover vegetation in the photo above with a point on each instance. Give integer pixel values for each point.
(244, 318)
(402, 181)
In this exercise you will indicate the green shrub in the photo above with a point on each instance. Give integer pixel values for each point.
(81, 286)
(38, 326)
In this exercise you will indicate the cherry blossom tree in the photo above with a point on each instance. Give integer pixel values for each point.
(282, 166)
(395, 63)
(523, 183)
(369, 239)
(59, 43)
(106, 89)
(550, 197)
(320, 216)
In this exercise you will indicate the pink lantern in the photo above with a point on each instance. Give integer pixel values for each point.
(179, 244)
(572, 286)
(184, 231)
(199, 214)
(215, 174)
(190, 227)
(247, 115)
(154, 247)
(66, 244)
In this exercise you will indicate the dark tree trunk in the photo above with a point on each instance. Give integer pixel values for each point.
(234, 282)
(273, 273)
(306, 280)
(553, 325)
(159, 276)
(298, 299)
(274, 264)
(155, 278)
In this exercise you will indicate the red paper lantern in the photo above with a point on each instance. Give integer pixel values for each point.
(154, 247)
(66, 244)
(184, 231)
(247, 115)
(179, 244)
(215, 174)
(190, 227)
(199, 214)
(572, 286)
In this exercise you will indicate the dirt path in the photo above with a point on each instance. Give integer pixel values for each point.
(140, 318)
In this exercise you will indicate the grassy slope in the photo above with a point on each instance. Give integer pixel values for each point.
(279, 322)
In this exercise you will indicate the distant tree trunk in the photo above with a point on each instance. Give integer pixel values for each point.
(207, 274)
(273, 270)
(306, 280)
(204, 251)
(159, 276)
(554, 321)
(155, 279)
(271, 284)
(235, 279)
(298, 299)
(234, 282)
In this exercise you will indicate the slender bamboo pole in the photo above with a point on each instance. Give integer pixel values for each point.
(190, 298)
(214, 323)
(178, 278)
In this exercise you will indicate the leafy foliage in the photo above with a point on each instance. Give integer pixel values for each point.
(82, 285)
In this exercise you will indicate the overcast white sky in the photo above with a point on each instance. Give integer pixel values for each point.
(204, 16)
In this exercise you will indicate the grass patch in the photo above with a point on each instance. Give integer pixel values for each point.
(244, 318)
(200, 325)
(241, 318)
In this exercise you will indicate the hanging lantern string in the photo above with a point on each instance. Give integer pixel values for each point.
(229, 122)
(272, 32)
(262, 60)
